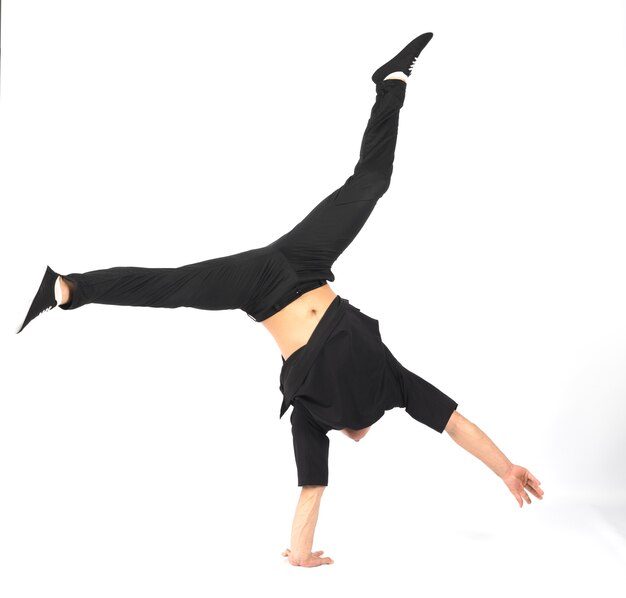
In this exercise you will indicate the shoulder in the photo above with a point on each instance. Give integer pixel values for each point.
(302, 420)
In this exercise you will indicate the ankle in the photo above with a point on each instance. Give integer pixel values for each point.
(63, 292)
(397, 75)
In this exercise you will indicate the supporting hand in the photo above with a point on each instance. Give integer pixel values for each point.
(518, 480)
(313, 559)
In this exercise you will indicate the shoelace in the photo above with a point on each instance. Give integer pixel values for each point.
(43, 311)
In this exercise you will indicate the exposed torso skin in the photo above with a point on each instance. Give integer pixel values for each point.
(293, 326)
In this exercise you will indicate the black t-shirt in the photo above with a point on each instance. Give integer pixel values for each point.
(345, 377)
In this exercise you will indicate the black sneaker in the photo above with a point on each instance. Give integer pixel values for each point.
(404, 60)
(44, 299)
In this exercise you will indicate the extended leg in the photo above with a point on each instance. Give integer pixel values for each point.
(238, 281)
(215, 284)
(319, 239)
(258, 280)
(314, 244)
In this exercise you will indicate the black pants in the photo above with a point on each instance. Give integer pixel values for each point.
(262, 281)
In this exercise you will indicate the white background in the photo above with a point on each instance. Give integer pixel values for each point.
(140, 449)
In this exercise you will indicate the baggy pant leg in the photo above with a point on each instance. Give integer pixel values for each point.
(321, 237)
(252, 280)
(229, 282)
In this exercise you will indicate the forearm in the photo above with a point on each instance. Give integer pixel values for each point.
(305, 520)
(470, 437)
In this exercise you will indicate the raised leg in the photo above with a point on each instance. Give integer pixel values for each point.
(262, 281)
(245, 280)
(231, 282)
(314, 244)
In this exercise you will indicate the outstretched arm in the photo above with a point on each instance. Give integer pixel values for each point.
(303, 530)
(469, 436)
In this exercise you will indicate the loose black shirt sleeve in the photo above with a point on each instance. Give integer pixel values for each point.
(310, 445)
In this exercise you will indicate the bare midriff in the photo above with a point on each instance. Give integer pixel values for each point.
(293, 325)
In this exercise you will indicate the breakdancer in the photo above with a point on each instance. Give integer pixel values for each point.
(337, 374)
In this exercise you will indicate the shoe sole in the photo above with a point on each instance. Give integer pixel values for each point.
(24, 324)
(381, 73)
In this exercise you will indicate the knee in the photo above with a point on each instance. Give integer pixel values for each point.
(375, 183)
(366, 185)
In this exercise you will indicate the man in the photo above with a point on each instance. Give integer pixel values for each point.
(337, 373)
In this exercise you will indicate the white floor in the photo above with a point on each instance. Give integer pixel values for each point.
(558, 550)
(550, 549)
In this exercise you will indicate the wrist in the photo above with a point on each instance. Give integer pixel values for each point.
(298, 557)
(504, 469)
